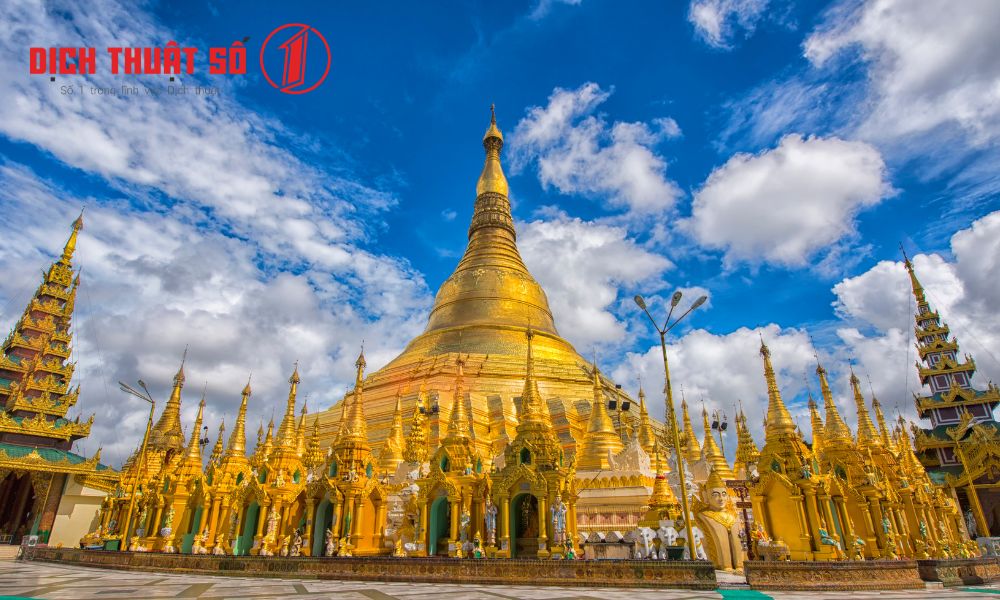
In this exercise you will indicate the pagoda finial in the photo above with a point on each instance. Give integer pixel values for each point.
(711, 452)
(601, 438)
(70, 246)
(458, 423)
(867, 434)
(353, 427)
(167, 434)
(194, 447)
(492, 178)
(918, 290)
(533, 408)
(238, 438)
(646, 436)
(779, 420)
(217, 450)
(692, 451)
(286, 431)
(836, 430)
(392, 451)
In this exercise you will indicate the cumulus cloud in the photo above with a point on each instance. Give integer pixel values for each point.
(718, 22)
(783, 205)
(594, 263)
(579, 152)
(877, 307)
(930, 63)
(210, 232)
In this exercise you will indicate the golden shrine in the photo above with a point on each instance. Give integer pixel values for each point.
(490, 436)
(42, 482)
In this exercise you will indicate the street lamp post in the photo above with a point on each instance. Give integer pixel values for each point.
(671, 414)
(139, 459)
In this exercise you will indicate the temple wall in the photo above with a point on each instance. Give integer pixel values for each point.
(77, 513)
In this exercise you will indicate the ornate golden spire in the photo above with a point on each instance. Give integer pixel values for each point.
(918, 290)
(194, 447)
(836, 430)
(70, 246)
(238, 439)
(492, 179)
(300, 432)
(817, 427)
(314, 453)
(692, 451)
(166, 434)
(601, 437)
(646, 436)
(711, 452)
(458, 422)
(867, 435)
(746, 449)
(217, 450)
(269, 438)
(353, 428)
(416, 449)
(779, 420)
(534, 411)
(286, 431)
(392, 451)
(882, 428)
(662, 495)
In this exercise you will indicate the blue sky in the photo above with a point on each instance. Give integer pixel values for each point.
(771, 154)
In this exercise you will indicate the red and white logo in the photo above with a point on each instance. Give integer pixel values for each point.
(304, 64)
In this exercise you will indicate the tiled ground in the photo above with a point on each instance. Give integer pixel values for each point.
(41, 580)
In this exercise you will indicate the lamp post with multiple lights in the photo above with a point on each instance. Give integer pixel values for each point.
(671, 414)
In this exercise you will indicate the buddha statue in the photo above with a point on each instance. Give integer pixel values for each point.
(717, 519)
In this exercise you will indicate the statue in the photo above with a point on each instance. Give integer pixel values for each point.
(344, 549)
(642, 539)
(198, 547)
(970, 524)
(329, 548)
(668, 539)
(827, 540)
(285, 543)
(491, 522)
(272, 525)
(279, 480)
(558, 512)
(296, 544)
(220, 546)
(719, 524)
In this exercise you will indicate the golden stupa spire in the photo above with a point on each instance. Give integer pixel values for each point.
(194, 446)
(314, 453)
(492, 179)
(867, 434)
(692, 451)
(300, 432)
(534, 411)
(268, 439)
(836, 430)
(415, 450)
(458, 422)
(746, 449)
(286, 431)
(601, 437)
(353, 427)
(238, 438)
(779, 420)
(646, 436)
(711, 452)
(818, 428)
(882, 428)
(166, 434)
(70, 246)
(217, 450)
(392, 451)
(662, 494)
(918, 290)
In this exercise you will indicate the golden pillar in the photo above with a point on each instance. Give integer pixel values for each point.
(505, 533)
(456, 508)
(543, 537)
(214, 521)
(261, 519)
(338, 509)
(155, 524)
(307, 536)
(356, 521)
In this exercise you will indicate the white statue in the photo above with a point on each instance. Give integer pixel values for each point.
(272, 525)
(558, 512)
(668, 538)
(330, 549)
(643, 538)
(970, 524)
(491, 522)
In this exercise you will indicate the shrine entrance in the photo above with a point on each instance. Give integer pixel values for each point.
(524, 526)
(244, 542)
(17, 497)
(440, 527)
(324, 520)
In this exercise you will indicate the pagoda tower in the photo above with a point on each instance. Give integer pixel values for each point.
(36, 437)
(959, 413)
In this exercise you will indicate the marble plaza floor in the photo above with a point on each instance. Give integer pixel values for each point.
(41, 580)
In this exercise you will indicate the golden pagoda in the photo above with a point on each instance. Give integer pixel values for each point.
(42, 482)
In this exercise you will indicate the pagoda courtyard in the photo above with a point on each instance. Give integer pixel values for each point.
(491, 452)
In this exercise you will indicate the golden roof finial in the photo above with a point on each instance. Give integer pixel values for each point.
(70, 246)
(692, 450)
(601, 438)
(836, 430)
(533, 408)
(392, 451)
(194, 447)
(710, 450)
(867, 434)
(167, 434)
(779, 420)
(458, 423)
(918, 290)
(286, 431)
(238, 438)
(492, 178)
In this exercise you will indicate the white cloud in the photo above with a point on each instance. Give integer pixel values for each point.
(219, 237)
(784, 204)
(717, 22)
(593, 263)
(931, 63)
(544, 7)
(880, 306)
(579, 152)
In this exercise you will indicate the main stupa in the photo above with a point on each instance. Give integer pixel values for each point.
(481, 314)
